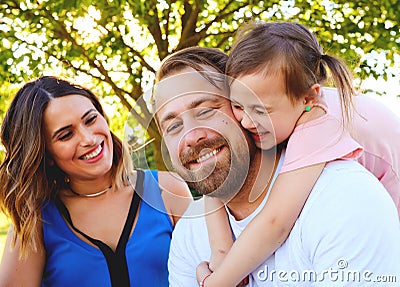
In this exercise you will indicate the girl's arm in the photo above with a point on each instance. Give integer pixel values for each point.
(269, 229)
(15, 271)
(219, 230)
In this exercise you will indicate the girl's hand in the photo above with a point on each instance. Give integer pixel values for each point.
(216, 259)
(202, 272)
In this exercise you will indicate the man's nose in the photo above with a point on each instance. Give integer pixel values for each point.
(194, 136)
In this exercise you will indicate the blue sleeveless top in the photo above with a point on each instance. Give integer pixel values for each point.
(73, 262)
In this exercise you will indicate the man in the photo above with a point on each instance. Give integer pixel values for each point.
(336, 241)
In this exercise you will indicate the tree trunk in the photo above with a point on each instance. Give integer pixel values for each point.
(158, 157)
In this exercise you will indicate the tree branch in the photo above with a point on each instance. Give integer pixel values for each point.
(153, 25)
(226, 36)
(223, 14)
(189, 22)
(136, 53)
(167, 14)
(194, 38)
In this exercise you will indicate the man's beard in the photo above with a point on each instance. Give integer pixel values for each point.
(223, 179)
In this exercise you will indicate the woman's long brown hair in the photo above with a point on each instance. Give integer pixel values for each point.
(27, 181)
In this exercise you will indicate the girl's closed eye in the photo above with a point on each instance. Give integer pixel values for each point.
(260, 111)
(236, 106)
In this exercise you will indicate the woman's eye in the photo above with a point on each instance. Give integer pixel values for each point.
(65, 136)
(91, 119)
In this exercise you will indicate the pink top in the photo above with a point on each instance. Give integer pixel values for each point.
(375, 129)
(321, 140)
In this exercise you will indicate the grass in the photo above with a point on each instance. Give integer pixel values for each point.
(4, 223)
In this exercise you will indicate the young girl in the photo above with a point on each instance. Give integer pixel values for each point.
(283, 64)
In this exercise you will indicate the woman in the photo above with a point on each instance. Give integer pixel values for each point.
(81, 216)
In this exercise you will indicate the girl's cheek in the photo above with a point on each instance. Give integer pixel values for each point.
(238, 115)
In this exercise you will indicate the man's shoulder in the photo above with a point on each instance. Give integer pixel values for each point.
(192, 221)
(195, 211)
(344, 178)
(345, 188)
(346, 173)
(344, 165)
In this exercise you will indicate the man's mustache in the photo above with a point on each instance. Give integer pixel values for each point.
(192, 154)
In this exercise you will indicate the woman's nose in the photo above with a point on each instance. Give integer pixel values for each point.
(87, 137)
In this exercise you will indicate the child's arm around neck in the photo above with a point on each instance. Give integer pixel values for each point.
(269, 229)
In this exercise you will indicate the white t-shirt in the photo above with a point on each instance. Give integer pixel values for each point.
(347, 234)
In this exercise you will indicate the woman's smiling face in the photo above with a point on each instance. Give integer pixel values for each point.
(78, 138)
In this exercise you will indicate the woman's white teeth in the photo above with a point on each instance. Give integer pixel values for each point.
(207, 156)
(93, 154)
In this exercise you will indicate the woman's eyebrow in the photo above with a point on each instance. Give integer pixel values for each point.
(66, 127)
(60, 130)
(87, 112)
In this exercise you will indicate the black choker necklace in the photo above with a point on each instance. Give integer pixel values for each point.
(91, 194)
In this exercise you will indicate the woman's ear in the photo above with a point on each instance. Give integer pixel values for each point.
(49, 160)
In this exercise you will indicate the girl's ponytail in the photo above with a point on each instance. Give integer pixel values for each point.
(343, 81)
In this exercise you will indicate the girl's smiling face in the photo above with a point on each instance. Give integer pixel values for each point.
(262, 107)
